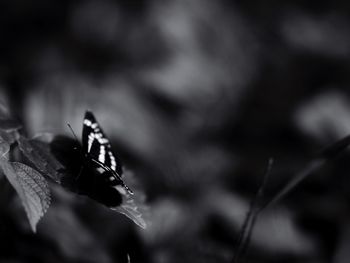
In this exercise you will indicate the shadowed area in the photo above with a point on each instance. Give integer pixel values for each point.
(195, 97)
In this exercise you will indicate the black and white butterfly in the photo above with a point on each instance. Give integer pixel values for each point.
(95, 171)
(98, 153)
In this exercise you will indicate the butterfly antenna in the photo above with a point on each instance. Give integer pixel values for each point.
(75, 136)
(71, 129)
(75, 148)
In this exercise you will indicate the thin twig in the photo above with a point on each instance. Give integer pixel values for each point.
(310, 168)
(248, 225)
(328, 154)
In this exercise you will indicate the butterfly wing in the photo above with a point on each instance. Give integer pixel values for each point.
(97, 146)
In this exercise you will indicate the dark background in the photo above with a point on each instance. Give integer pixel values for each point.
(195, 97)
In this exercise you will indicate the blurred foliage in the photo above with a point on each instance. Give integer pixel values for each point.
(195, 96)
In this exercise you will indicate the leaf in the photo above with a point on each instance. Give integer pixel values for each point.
(29, 184)
(278, 231)
(9, 129)
(4, 147)
(39, 154)
(75, 240)
(31, 187)
(9, 137)
(133, 206)
(130, 209)
(9, 125)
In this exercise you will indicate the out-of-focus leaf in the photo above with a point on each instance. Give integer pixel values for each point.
(9, 136)
(31, 187)
(75, 241)
(39, 154)
(9, 125)
(45, 137)
(342, 252)
(169, 217)
(277, 231)
(4, 109)
(325, 116)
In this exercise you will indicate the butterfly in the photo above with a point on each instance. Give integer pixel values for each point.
(97, 172)
(98, 153)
